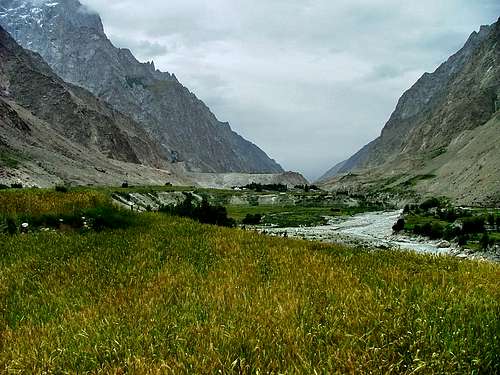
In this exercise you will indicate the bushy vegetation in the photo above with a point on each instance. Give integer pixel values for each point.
(168, 294)
(399, 226)
(9, 159)
(252, 219)
(437, 219)
(266, 187)
(307, 188)
(203, 211)
(61, 188)
(35, 211)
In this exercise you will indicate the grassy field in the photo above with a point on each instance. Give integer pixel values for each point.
(169, 295)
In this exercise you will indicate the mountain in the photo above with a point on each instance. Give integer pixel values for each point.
(71, 39)
(450, 108)
(52, 131)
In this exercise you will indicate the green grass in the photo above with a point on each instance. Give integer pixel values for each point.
(412, 220)
(173, 296)
(283, 216)
(9, 159)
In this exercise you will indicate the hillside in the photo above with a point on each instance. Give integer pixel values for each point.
(443, 111)
(55, 132)
(71, 39)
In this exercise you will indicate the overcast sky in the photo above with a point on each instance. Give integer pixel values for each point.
(309, 81)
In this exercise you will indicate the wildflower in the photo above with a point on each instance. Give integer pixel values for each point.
(24, 225)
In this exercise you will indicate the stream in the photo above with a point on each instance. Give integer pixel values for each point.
(374, 229)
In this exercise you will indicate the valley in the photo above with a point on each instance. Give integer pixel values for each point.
(139, 234)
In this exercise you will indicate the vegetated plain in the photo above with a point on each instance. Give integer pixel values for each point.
(159, 293)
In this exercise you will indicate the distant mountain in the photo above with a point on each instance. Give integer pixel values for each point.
(333, 171)
(71, 38)
(454, 106)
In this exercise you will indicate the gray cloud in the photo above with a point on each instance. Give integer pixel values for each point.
(310, 81)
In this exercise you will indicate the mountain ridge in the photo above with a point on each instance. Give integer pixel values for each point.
(460, 96)
(71, 38)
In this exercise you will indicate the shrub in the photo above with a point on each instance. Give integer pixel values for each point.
(437, 231)
(448, 214)
(269, 187)
(485, 241)
(11, 225)
(430, 203)
(252, 219)
(16, 186)
(109, 217)
(433, 231)
(125, 185)
(62, 189)
(3, 187)
(204, 212)
(474, 224)
(399, 226)
(462, 239)
(451, 232)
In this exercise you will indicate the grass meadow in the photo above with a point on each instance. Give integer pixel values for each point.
(169, 295)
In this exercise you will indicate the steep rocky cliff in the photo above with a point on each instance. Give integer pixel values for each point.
(430, 120)
(70, 37)
(52, 131)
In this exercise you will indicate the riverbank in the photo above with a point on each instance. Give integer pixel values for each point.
(374, 230)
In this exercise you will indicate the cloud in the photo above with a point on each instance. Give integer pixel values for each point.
(310, 81)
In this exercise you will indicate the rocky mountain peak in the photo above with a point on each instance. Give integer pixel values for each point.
(71, 39)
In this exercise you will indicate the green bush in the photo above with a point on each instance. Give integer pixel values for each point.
(430, 203)
(61, 189)
(252, 219)
(451, 232)
(268, 187)
(12, 226)
(399, 226)
(462, 239)
(108, 217)
(204, 212)
(433, 231)
(485, 241)
(474, 224)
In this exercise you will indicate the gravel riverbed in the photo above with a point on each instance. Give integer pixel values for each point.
(374, 229)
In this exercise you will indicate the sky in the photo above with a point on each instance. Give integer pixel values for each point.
(308, 81)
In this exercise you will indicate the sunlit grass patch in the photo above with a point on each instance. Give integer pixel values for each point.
(37, 202)
(172, 295)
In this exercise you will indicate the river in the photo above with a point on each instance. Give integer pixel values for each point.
(374, 229)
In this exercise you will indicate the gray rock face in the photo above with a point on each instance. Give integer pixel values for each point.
(73, 113)
(71, 39)
(459, 96)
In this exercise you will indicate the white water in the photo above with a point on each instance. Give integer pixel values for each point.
(370, 229)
